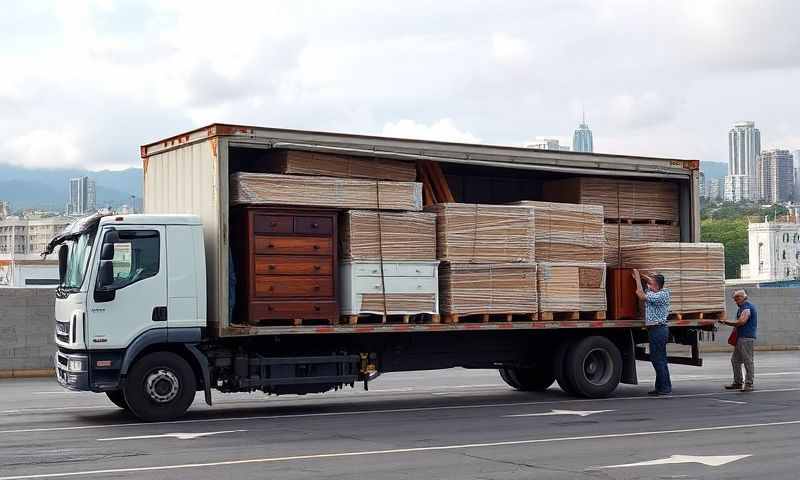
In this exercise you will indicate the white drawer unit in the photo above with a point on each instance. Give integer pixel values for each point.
(410, 287)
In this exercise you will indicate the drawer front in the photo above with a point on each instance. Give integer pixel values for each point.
(272, 224)
(291, 310)
(273, 286)
(293, 265)
(394, 285)
(266, 245)
(313, 225)
(394, 269)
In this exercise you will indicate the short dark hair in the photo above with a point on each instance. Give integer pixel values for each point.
(659, 280)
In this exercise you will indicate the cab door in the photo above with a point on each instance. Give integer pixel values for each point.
(129, 293)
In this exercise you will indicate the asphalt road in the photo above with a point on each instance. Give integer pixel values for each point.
(454, 424)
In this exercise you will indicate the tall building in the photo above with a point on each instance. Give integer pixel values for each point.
(796, 167)
(4, 209)
(715, 189)
(82, 198)
(744, 146)
(547, 144)
(701, 185)
(582, 138)
(775, 176)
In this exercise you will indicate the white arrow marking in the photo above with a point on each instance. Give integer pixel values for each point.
(711, 461)
(179, 436)
(580, 413)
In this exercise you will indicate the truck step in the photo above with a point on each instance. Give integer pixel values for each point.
(698, 315)
(371, 319)
(573, 315)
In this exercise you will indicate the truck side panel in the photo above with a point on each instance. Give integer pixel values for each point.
(186, 180)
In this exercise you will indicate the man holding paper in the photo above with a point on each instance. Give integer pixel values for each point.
(656, 312)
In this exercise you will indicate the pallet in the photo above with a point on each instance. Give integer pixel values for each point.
(372, 319)
(705, 315)
(292, 322)
(572, 315)
(640, 221)
(452, 318)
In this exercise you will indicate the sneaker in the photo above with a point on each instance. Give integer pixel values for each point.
(733, 386)
(747, 388)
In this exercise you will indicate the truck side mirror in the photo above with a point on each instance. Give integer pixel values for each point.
(63, 253)
(104, 291)
(107, 253)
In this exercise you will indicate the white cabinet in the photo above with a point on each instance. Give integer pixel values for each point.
(394, 288)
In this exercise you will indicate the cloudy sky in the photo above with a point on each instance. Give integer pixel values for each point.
(85, 83)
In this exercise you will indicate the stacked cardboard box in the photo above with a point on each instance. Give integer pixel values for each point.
(272, 189)
(488, 254)
(626, 199)
(618, 235)
(297, 162)
(694, 272)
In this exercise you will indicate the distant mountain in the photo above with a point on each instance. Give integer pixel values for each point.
(713, 169)
(49, 188)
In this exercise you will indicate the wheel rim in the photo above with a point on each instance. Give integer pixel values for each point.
(162, 385)
(597, 367)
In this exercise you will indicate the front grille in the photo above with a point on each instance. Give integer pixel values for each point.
(62, 359)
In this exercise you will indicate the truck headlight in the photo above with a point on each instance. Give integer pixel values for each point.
(75, 365)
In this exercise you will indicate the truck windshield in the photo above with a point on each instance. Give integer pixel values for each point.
(78, 256)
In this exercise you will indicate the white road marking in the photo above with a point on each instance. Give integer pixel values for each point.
(731, 401)
(317, 456)
(179, 436)
(711, 461)
(388, 410)
(580, 413)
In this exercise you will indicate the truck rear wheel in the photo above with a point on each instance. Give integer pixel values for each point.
(160, 386)
(562, 372)
(593, 367)
(528, 379)
(117, 399)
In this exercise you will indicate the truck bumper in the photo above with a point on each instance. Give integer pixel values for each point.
(72, 370)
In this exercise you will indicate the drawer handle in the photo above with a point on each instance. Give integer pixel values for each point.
(271, 288)
(269, 308)
(377, 287)
(273, 224)
(316, 308)
(272, 267)
(317, 267)
(270, 246)
(316, 288)
(315, 225)
(375, 271)
(316, 247)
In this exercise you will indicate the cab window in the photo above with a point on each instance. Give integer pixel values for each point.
(136, 256)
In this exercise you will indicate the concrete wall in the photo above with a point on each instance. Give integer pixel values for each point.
(778, 316)
(26, 331)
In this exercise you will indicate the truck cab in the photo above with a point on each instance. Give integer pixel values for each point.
(130, 284)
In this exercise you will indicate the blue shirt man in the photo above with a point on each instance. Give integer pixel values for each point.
(746, 324)
(656, 312)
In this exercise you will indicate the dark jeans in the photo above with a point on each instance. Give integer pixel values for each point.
(658, 355)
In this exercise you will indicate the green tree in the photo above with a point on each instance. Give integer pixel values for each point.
(733, 234)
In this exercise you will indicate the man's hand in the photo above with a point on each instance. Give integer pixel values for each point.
(635, 274)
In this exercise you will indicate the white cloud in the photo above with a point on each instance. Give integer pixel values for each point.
(443, 130)
(641, 111)
(508, 48)
(43, 149)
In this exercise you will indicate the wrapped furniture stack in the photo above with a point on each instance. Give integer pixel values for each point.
(571, 277)
(286, 259)
(634, 210)
(694, 273)
(389, 264)
(488, 263)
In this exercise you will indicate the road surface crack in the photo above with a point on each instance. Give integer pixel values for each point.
(581, 473)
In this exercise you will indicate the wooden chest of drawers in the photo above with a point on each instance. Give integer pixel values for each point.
(399, 288)
(286, 266)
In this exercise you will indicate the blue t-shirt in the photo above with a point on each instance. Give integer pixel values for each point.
(748, 330)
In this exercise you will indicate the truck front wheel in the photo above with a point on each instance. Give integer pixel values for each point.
(528, 379)
(593, 366)
(117, 399)
(160, 386)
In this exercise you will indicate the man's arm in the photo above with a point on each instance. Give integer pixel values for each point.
(637, 278)
(743, 318)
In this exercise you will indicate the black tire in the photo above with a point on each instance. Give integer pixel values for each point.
(160, 386)
(528, 379)
(562, 373)
(118, 399)
(505, 374)
(594, 367)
